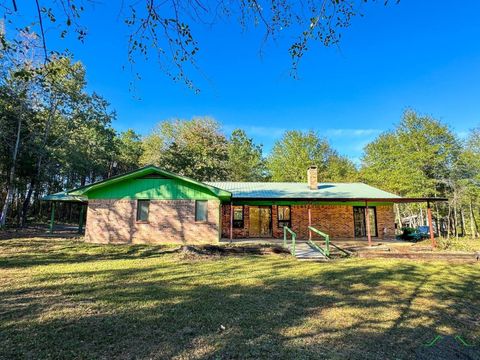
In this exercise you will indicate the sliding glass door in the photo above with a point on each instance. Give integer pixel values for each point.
(359, 223)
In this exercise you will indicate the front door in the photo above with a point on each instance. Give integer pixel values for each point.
(260, 218)
(359, 223)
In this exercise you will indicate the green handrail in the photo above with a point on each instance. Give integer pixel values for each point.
(325, 251)
(294, 237)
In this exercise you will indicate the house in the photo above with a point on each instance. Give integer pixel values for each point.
(151, 205)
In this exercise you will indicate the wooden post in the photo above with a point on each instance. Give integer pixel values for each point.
(231, 221)
(309, 222)
(52, 217)
(80, 222)
(430, 225)
(367, 222)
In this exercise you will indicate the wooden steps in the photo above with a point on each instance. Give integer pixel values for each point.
(305, 252)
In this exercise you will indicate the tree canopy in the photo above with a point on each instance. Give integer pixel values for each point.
(297, 150)
(194, 148)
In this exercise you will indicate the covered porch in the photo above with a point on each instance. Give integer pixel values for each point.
(64, 198)
(359, 222)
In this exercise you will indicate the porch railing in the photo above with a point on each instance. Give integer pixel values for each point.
(286, 231)
(325, 251)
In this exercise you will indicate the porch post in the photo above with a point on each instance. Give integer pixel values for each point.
(367, 222)
(309, 222)
(231, 220)
(80, 222)
(430, 225)
(52, 217)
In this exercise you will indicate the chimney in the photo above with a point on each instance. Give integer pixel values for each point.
(312, 177)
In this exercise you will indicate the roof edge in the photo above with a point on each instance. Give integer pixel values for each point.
(387, 200)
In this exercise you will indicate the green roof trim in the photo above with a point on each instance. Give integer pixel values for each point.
(147, 170)
(63, 196)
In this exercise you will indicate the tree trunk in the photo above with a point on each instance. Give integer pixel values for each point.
(455, 219)
(462, 221)
(437, 220)
(473, 222)
(397, 215)
(11, 176)
(26, 202)
(449, 220)
(38, 167)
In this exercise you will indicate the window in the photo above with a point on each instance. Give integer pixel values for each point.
(238, 216)
(200, 210)
(142, 210)
(284, 216)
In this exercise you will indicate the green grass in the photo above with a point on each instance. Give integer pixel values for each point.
(453, 244)
(65, 299)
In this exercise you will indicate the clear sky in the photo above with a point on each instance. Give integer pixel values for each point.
(423, 55)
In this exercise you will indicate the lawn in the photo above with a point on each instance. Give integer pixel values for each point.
(66, 299)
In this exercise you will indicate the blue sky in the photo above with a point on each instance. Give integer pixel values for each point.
(423, 55)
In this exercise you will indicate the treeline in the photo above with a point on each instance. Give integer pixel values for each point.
(55, 135)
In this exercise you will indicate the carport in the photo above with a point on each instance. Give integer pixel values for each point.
(63, 197)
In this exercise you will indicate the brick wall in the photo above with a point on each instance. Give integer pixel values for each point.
(385, 222)
(335, 220)
(169, 221)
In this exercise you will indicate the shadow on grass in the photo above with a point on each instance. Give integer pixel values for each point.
(28, 252)
(250, 307)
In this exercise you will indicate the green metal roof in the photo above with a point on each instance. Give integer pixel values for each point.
(289, 190)
(63, 196)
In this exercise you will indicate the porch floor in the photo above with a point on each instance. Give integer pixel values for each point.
(342, 242)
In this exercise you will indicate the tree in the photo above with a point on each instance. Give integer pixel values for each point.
(297, 150)
(419, 158)
(415, 159)
(470, 159)
(128, 151)
(166, 28)
(47, 124)
(341, 169)
(195, 148)
(245, 160)
(14, 113)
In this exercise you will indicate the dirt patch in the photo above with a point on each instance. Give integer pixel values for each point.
(202, 251)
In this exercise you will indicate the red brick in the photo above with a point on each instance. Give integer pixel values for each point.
(335, 220)
(170, 221)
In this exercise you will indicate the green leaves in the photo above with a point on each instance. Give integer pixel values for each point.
(297, 150)
(195, 148)
(245, 159)
(416, 159)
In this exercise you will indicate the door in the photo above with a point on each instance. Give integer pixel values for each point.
(260, 218)
(359, 223)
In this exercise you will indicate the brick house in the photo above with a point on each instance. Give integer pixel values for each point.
(151, 205)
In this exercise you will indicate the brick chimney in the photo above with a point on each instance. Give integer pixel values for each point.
(312, 177)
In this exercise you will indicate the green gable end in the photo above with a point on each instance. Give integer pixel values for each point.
(150, 182)
(158, 189)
